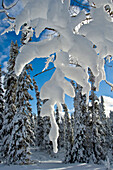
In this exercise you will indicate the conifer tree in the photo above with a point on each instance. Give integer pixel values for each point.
(60, 123)
(106, 139)
(1, 110)
(79, 150)
(61, 134)
(10, 86)
(68, 139)
(22, 135)
(110, 135)
(21, 121)
(99, 150)
(72, 121)
(1, 100)
(98, 153)
(38, 119)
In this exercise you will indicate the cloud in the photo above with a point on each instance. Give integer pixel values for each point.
(71, 110)
(108, 103)
(6, 50)
(2, 58)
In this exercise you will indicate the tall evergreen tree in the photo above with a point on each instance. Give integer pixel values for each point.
(60, 123)
(97, 131)
(106, 139)
(22, 135)
(110, 135)
(61, 134)
(10, 85)
(1, 110)
(1, 100)
(79, 150)
(72, 121)
(68, 139)
(39, 132)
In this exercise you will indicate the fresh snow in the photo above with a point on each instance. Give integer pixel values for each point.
(54, 14)
(45, 162)
(53, 165)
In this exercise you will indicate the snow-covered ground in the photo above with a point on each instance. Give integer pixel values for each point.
(45, 162)
(53, 165)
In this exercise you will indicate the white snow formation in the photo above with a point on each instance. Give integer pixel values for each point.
(54, 14)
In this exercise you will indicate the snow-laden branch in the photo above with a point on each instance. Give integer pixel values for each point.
(10, 6)
(55, 15)
(44, 71)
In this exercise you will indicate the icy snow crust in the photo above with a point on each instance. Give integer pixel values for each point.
(54, 14)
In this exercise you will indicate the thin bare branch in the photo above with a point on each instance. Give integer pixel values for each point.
(85, 6)
(9, 17)
(43, 71)
(10, 6)
(110, 84)
(2, 10)
(7, 14)
(5, 8)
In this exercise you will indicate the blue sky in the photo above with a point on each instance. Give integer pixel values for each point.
(38, 64)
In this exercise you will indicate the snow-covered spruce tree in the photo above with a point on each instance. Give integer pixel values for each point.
(1, 100)
(60, 121)
(99, 152)
(106, 137)
(80, 120)
(10, 86)
(79, 150)
(111, 121)
(69, 34)
(72, 121)
(1, 110)
(62, 134)
(68, 138)
(110, 135)
(39, 132)
(98, 136)
(22, 135)
(102, 110)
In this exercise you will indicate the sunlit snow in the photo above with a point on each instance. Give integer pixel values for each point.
(54, 14)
